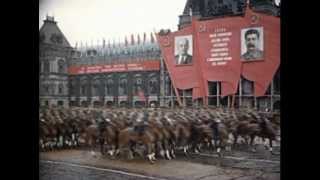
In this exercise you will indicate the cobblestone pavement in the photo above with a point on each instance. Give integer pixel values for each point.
(80, 164)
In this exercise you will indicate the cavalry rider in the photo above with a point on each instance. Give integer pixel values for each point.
(141, 123)
(102, 125)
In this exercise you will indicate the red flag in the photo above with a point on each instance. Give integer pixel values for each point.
(144, 37)
(139, 39)
(132, 39)
(152, 38)
(141, 96)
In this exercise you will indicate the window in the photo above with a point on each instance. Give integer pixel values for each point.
(46, 103)
(153, 86)
(95, 89)
(46, 89)
(213, 88)
(60, 103)
(137, 86)
(123, 87)
(83, 90)
(61, 66)
(109, 85)
(247, 87)
(46, 66)
(60, 88)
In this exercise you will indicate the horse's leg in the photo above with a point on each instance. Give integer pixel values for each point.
(171, 148)
(149, 152)
(265, 143)
(219, 147)
(236, 136)
(251, 142)
(92, 146)
(161, 148)
(270, 145)
(246, 139)
(166, 147)
(185, 147)
(101, 142)
(218, 144)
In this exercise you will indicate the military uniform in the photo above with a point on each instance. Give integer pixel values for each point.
(251, 55)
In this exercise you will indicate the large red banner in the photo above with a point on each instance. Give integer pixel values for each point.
(233, 46)
(218, 44)
(182, 67)
(147, 65)
(224, 49)
(262, 72)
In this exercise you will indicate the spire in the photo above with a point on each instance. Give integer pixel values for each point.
(126, 41)
(109, 45)
(132, 39)
(144, 37)
(139, 39)
(76, 46)
(103, 43)
(152, 38)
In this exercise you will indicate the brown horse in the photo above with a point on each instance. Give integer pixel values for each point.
(110, 137)
(268, 131)
(129, 137)
(220, 136)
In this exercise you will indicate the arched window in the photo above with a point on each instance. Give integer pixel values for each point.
(152, 86)
(46, 67)
(45, 89)
(95, 88)
(83, 87)
(137, 86)
(108, 88)
(60, 89)
(123, 87)
(72, 87)
(61, 66)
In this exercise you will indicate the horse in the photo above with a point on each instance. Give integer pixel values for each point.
(129, 137)
(220, 136)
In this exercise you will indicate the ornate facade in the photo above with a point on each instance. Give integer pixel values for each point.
(54, 55)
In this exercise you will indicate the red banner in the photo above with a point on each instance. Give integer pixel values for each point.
(177, 50)
(147, 65)
(218, 44)
(233, 46)
(263, 71)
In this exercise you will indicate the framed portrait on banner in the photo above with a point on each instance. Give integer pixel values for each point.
(252, 44)
(183, 49)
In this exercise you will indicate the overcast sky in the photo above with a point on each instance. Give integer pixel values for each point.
(92, 20)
